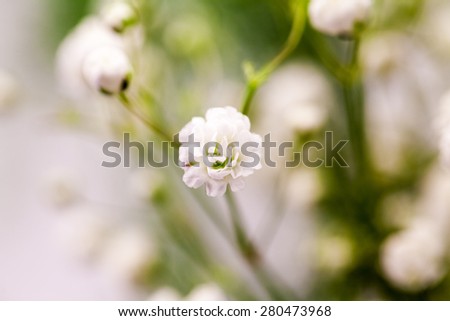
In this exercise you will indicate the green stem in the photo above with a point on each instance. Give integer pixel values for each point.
(256, 79)
(245, 246)
(354, 103)
(151, 125)
(251, 256)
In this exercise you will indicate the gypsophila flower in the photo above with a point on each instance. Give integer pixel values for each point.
(338, 17)
(413, 260)
(108, 70)
(89, 34)
(119, 16)
(226, 151)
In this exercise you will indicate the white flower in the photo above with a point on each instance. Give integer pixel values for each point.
(128, 253)
(108, 70)
(206, 292)
(83, 231)
(232, 152)
(443, 129)
(414, 259)
(338, 17)
(90, 34)
(383, 53)
(145, 183)
(119, 15)
(298, 96)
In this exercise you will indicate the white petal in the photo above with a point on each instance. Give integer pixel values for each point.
(237, 184)
(216, 188)
(194, 177)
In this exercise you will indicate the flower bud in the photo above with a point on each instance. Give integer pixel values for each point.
(119, 15)
(338, 17)
(108, 70)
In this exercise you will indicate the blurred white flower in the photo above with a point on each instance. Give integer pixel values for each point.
(413, 260)
(9, 91)
(108, 70)
(338, 17)
(128, 253)
(62, 187)
(298, 96)
(91, 33)
(222, 127)
(303, 187)
(165, 294)
(207, 292)
(383, 52)
(83, 230)
(144, 183)
(433, 26)
(443, 128)
(393, 115)
(119, 15)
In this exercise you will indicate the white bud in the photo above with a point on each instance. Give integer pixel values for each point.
(338, 17)
(119, 15)
(108, 70)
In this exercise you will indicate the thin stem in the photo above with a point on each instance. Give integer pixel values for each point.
(246, 247)
(251, 256)
(256, 79)
(127, 104)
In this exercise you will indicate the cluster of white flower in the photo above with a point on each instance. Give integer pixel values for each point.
(338, 17)
(96, 56)
(414, 259)
(219, 138)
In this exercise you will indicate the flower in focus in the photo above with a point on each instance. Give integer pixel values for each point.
(119, 15)
(225, 152)
(108, 70)
(338, 17)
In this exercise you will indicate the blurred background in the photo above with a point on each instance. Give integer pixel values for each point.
(71, 229)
